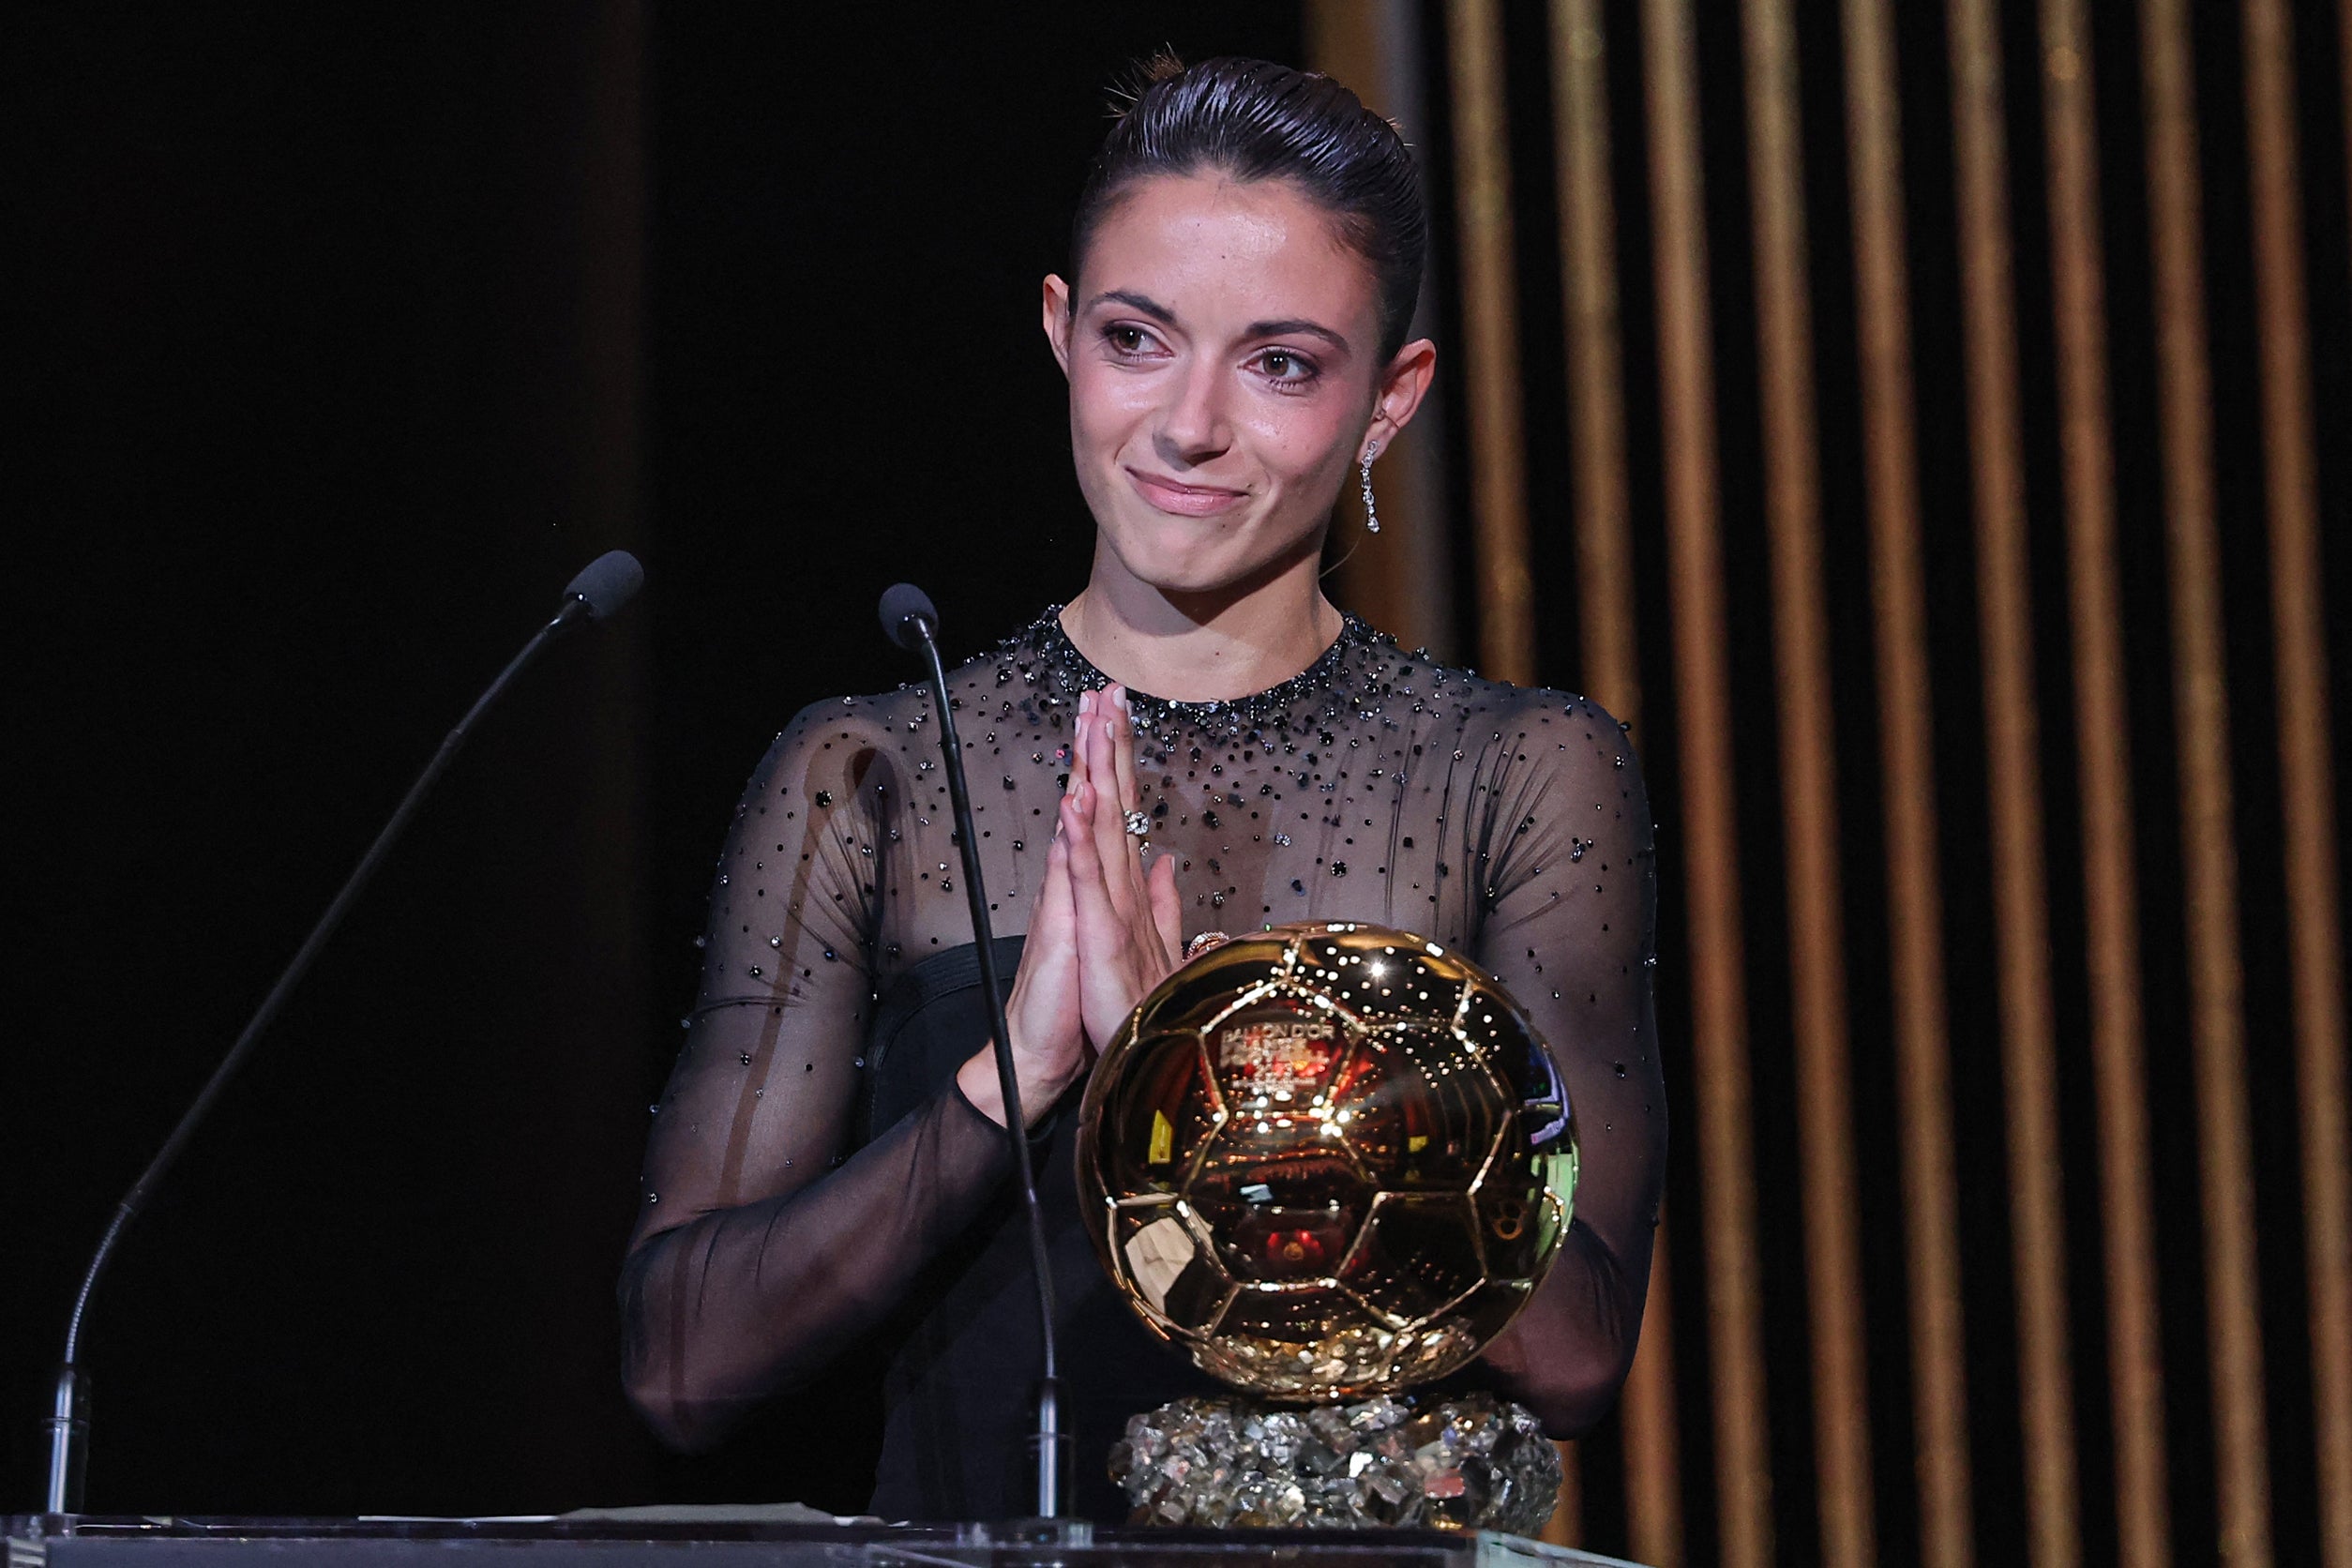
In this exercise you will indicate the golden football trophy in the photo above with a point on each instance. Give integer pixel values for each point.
(1332, 1162)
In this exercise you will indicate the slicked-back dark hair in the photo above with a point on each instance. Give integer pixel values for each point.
(1255, 120)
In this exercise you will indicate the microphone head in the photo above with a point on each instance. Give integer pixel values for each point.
(902, 605)
(607, 584)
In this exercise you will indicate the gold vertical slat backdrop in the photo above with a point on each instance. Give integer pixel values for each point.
(2012, 749)
(2104, 807)
(1490, 325)
(2306, 764)
(1710, 895)
(2201, 708)
(1950, 512)
(1595, 354)
(1816, 934)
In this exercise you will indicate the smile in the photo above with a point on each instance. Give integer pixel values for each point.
(1188, 501)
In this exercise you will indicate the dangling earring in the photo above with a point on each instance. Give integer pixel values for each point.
(1371, 518)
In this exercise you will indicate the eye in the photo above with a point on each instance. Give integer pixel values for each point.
(1288, 367)
(1127, 340)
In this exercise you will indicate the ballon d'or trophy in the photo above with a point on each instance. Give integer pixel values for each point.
(1332, 1162)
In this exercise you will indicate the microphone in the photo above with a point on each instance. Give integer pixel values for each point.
(908, 616)
(911, 621)
(607, 584)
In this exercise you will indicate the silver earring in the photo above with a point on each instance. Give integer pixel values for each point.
(1371, 514)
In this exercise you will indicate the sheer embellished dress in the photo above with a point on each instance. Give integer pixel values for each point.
(816, 1184)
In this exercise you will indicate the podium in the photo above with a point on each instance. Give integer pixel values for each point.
(644, 1539)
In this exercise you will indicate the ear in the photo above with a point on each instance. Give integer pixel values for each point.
(1402, 386)
(1057, 320)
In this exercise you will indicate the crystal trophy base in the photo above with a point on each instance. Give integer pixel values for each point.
(1475, 1462)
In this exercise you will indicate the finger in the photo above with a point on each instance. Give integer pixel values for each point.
(1056, 914)
(1131, 790)
(1076, 773)
(1122, 750)
(1042, 1013)
(1082, 866)
(1098, 923)
(1168, 909)
(1113, 845)
(1104, 809)
(1076, 821)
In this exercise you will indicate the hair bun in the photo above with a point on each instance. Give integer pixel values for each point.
(1164, 65)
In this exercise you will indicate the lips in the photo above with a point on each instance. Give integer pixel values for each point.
(1182, 500)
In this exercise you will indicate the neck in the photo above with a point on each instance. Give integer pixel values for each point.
(1201, 647)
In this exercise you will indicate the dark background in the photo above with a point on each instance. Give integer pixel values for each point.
(339, 338)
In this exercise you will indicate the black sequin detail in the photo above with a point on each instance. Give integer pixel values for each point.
(1317, 694)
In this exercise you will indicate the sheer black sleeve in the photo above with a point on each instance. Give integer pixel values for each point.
(765, 1245)
(1568, 926)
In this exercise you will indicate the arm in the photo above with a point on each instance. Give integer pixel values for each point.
(1569, 929)
(759, 1250)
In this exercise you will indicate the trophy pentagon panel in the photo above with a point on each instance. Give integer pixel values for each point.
(1167, 1267)
(1421, 1109)
(1161, 1112)
(1395, 977)
(1417, 1256)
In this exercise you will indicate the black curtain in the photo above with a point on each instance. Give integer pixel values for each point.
(340, 338)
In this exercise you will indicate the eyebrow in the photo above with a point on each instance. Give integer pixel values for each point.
(1287, 327)
(1134, 301)
(1298, 326)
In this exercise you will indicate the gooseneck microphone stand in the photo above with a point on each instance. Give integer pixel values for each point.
(602, 587)
(911, 622)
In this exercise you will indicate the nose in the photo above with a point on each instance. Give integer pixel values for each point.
(1193, 427)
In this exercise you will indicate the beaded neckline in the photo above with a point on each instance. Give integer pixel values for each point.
(1073, 671)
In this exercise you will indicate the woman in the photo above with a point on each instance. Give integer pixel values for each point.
(828, 1170)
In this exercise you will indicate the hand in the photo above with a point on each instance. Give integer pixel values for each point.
(1130, 923)
(1042, 1011)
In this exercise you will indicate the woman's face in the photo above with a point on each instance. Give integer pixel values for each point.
(1221, 354)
